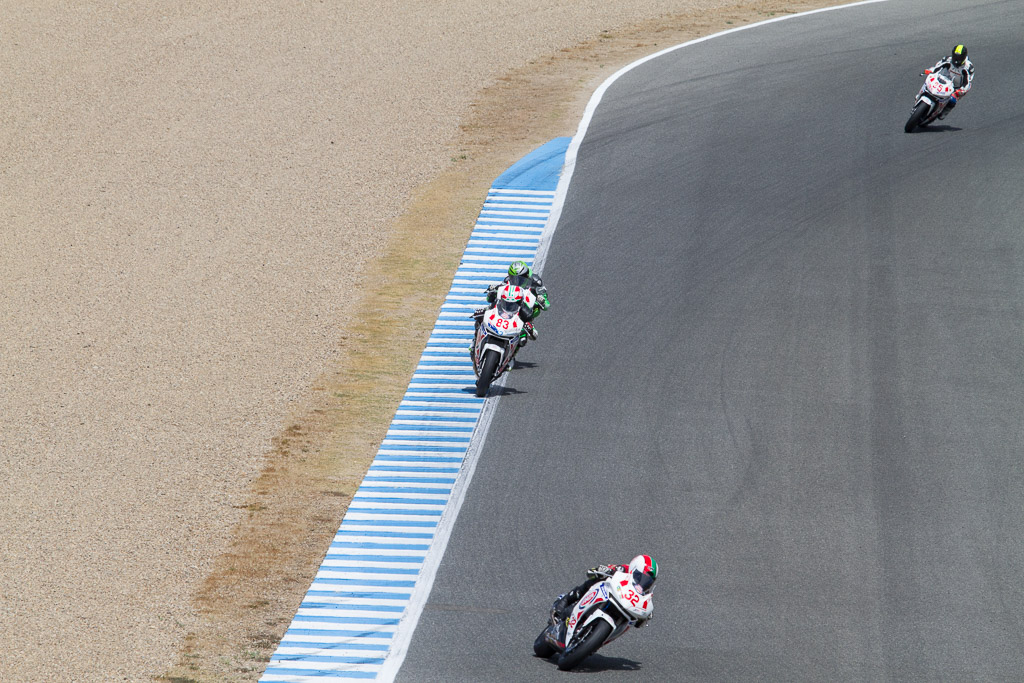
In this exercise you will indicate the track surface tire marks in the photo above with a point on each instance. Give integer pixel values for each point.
(783, 359)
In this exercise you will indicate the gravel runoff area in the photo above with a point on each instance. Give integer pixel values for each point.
(190, 195)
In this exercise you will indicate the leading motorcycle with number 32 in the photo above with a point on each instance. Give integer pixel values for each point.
(604, 613)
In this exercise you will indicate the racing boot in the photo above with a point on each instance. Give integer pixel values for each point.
(949, 108)
(556, 609)
(560, 612)
(562, 608)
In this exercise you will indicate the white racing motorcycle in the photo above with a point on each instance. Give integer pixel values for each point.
(932, 98)
(603, 614)
(499, 333)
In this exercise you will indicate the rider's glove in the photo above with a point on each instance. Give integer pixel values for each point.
(599, 572)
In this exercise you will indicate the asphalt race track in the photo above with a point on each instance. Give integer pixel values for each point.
(785, 357)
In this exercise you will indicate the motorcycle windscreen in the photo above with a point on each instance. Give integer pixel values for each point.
(507, 309)
(644, 580)
(520, 281)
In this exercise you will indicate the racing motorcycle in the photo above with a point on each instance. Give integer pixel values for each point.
(938, 89)
(603, 614)
(499, 332)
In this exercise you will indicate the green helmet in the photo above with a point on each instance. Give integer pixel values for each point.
(519, 268)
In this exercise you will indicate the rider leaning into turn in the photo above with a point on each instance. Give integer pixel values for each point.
(642, 567)
(521, 269)
(962, 71)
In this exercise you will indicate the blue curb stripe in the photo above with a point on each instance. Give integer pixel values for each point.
(360, 595)
(303, 618)
(450, 480)
(421, 455)
(329, 658)
(492, 232)
(449, 446)
(436, 470)
(292, 632)
(384, 511)
(528, 226)
(337, 646)
(380, 546)
(275, 674)
(383, 533)
(442, 432)
(399, 513)
(401, 489)
(413, 407)
(331, 554)
(403, 501)
(385, 522)
(367, 582)
(452, 437)
(366, 608)
(415, 458)
(444, 395)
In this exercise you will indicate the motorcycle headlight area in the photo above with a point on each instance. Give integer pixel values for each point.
(506, 309)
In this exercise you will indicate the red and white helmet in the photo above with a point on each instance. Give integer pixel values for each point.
(510, 293)
(509, 299)
(644, 571)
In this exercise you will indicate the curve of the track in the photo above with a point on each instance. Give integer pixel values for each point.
(785, 357)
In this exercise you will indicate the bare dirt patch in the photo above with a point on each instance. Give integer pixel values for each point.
(318, 461)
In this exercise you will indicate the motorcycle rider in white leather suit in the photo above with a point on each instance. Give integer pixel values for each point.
(961, 69)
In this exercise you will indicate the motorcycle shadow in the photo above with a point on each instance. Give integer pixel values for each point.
(940, 128)
(597, 662)
(504, 391)
(494, 391)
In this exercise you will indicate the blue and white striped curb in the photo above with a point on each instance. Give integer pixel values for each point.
(347, 621)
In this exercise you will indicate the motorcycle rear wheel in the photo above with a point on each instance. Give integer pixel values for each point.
(583, 647)
(487, 368)
(920, 111)
(541, 646)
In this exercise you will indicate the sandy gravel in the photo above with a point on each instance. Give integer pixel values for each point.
(190, 192)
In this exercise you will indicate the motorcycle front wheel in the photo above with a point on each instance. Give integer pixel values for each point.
(585, 645)
(541, 646)
(920, 111)
(487, 368)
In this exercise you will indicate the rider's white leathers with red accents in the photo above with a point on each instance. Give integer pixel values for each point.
(963, 76)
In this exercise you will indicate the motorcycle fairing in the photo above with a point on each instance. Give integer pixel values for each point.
(596, 604)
